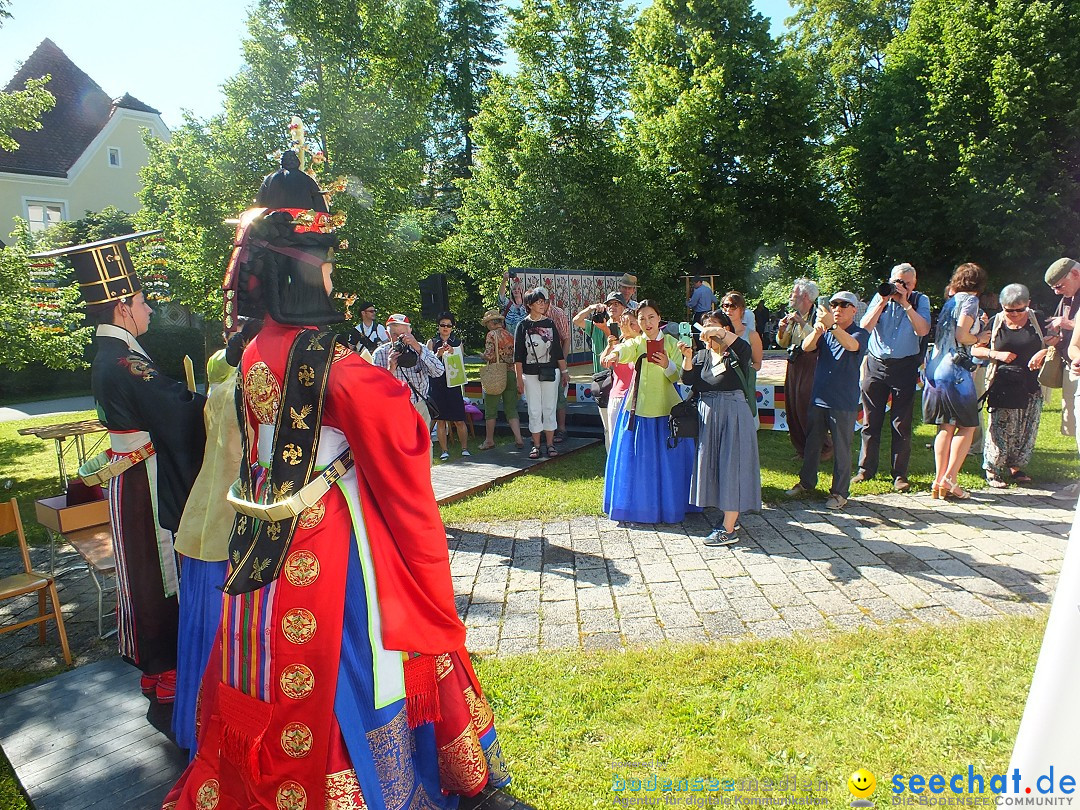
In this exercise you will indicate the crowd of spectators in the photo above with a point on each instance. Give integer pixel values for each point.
(850, 366)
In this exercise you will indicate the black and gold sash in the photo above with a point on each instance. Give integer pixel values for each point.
(257, 548)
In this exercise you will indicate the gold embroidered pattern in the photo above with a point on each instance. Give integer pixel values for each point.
(281, 491)
(444, 665)
(341, 351)
(291, 796)
(462, 766)
(316, 342)
(312, 516)
(241, 527)
(297, 681)
(500, 774)
(258, 567)
(301, 568)
(292, 454)
(299, 625)
(236, 554)
(392, 749)
(296, 740)
(298, 422)
(209, 795)
(421, 800)
(273, 530)
(343, 791)
(306, 375)
(263, 393)
(482, 716)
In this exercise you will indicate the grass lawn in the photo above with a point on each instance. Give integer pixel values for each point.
(895, 701)
(574, 485)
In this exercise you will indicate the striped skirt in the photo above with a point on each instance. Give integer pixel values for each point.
(727, 474)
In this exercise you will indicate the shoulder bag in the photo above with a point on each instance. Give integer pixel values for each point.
(1052, 373)
(493, 375)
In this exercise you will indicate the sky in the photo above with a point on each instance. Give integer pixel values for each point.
(172, 56)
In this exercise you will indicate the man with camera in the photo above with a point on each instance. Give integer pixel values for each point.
(410, 361)
(600, 322)
(367, 334)
(1063, 277)
(898, 318)
(792, 330)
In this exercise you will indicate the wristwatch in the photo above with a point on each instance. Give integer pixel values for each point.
(832, 328)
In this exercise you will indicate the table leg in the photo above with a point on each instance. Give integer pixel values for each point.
(60, 463)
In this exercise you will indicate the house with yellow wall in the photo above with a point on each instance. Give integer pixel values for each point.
(87, 154)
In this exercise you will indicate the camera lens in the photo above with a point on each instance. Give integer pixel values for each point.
(886, 289)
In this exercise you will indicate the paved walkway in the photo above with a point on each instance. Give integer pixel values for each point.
(589, 583)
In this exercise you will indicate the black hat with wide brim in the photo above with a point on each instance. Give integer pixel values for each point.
(104, 269)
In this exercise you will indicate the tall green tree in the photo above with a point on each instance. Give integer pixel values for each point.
(21, 109)
(723, 123)
(970, 148)
(554, 185)
(361, 75)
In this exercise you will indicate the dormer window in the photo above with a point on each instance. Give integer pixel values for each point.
(114, 157)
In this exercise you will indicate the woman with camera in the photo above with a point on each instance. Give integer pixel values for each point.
(448, 400)
(1013, 394)
(623, 372)
(539, 365)
(727, 473)
(645, 480)
(734, 304)
(949, 397)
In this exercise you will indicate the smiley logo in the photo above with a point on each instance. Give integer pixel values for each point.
(861, 784)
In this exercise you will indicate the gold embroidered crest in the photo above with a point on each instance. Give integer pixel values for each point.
(299, 625)
(273, 530)
(316, 342)
(312, 516)
(241, 525)
(296, 740)
(301, 568)
(291, 796)
(297, 681)
(236, 556)
(306, 375)
(292, 454)
(257, 568)
(208, 795)
(298, 422)
(263, 393)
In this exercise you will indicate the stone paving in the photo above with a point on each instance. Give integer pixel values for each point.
(590, 583)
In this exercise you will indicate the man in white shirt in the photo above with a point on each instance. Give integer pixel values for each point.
(367, 334)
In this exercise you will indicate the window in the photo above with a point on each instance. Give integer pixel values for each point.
(41, 215)
(114, 157)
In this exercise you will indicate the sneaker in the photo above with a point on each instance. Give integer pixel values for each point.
(835, 501)
(466, 454)
(166, 687)
(901, 484)
(797, 491)
(1070, 493)
(861, 476)
(444, 457)
(719, 537)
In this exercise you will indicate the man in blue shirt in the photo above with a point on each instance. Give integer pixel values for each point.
(702, 300)
(834, 402)
(897, 324)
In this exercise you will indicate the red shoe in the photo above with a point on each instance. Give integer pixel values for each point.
(148, 684)
(166, 687)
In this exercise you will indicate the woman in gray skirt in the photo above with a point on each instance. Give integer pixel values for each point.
(727, 474)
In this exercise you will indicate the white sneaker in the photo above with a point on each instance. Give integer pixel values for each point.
(835, 501)
(466, 454)
(1070, 493)
(444, 457)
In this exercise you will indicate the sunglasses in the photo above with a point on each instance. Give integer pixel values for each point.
(729, 305)
(446, 326)
(841, 304)
(1016, 311)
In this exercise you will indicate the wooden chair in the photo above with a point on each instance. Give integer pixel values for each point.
(30, 581)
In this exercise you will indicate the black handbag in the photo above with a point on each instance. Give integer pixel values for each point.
(602, 382)
(683, 421)
(546, 374)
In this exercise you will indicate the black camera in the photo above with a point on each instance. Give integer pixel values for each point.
(886, 288)
(406, 354)
(600, 316)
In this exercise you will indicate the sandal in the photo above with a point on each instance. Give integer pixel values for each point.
(1021, 477)
(995, 482)
(535, 452)
(552, 452)
(486, 446)
(951, 490)
(560, 435)
(520, 444)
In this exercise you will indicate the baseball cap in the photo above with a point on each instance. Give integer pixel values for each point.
(615, 295)
(845, 296)
(399, 319)
(1056, 272)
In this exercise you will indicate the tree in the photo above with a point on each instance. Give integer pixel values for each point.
(723, 124)
(554, 185)
(21, 109)
(969, 151)
(361, 75)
